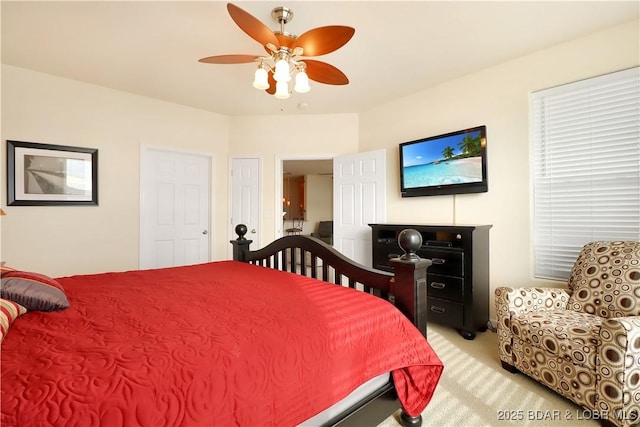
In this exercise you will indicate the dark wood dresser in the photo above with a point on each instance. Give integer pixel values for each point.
(458, 279)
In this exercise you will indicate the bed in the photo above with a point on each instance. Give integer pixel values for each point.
(245, 342)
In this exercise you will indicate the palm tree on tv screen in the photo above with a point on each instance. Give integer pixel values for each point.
(447, 152)
(470, 145)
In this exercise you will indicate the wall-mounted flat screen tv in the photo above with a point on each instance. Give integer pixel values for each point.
(452, 163)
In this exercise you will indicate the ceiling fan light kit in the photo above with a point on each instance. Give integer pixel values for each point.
(285, 52)
(282, 68)
(302, 83)
(261, 78)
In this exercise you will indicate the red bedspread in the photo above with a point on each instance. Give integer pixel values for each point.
(217, 344)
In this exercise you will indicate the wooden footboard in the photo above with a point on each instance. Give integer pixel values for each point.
(406, 288)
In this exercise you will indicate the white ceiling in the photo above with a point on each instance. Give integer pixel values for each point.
(152, 48)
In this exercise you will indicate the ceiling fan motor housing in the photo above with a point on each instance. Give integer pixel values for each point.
(282, 14)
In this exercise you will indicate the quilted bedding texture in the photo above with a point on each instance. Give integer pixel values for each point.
(215, 344)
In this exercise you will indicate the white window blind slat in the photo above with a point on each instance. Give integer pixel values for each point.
(586, 167)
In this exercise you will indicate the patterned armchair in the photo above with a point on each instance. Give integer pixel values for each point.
(582, 342)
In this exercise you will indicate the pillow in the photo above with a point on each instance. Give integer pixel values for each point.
(4, 269)
(34, 291)
(9, 311)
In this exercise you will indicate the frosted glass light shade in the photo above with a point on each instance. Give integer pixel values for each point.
(282, 90)
(282, 71)
(302, 83)
(261, 80)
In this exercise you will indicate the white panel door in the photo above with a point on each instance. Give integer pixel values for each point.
(359, 192)
(174, 208)
(245, 197)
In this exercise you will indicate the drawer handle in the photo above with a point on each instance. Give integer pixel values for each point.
(438, 285)
(393, 256)
(437, 309)
(437, 260)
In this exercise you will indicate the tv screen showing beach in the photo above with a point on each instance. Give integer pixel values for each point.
(453, 159)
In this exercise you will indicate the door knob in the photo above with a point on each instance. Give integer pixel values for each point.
(205, 232)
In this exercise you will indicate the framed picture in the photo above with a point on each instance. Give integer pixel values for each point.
(44, 174)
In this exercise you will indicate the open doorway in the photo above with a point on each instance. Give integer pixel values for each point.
(307, 197)
(358, 198)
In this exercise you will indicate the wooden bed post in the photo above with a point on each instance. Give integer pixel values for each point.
(240, 245)
(409, 285)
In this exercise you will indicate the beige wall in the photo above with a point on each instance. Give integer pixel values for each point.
(37, 107)
(319, 201)
(62, 240)
(499, 98)
(277, 138)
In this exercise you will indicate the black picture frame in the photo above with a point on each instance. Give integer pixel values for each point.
(47, 175)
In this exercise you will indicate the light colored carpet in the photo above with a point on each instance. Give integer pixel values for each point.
(475, 391)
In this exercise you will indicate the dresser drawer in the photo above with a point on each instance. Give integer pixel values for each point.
(445, 261)
(445, 312)
(382, 253)
(447, 287)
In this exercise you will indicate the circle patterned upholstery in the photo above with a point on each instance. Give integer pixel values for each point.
(606, 280)
(620, 358)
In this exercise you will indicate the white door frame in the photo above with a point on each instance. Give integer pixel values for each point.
(278, 175)
(231, 233)
(144, 148)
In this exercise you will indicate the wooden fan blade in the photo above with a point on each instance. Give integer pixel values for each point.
(229, 59)
(323, 40)
(250, 25)
(272, 84)
(322, 72)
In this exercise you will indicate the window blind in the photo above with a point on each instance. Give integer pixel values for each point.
(586, 167)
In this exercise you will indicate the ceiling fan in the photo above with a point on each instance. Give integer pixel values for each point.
(286, 53)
